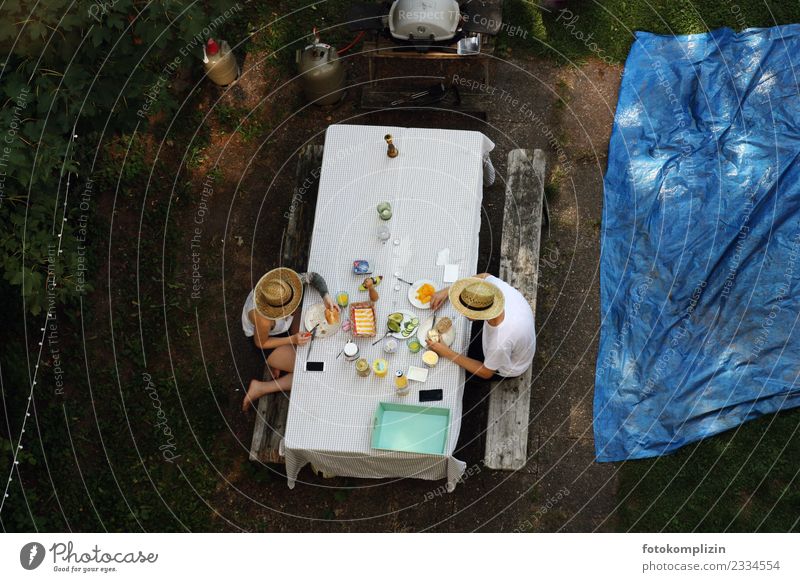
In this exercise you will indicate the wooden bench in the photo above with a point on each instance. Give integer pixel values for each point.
(273, 409)
(509, 400)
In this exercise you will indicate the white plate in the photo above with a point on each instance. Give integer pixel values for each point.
(412, 293)
(316, 315)
(425, 326)
(407, 315)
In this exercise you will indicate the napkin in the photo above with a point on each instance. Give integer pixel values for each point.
(450, 273)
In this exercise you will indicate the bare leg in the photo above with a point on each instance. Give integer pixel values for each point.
(278, 371)
(257, 389)
(281, 358)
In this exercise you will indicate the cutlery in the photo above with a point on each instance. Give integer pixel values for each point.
(311, 343)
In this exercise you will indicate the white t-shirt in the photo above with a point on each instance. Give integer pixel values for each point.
(509, 347)
(281, 325)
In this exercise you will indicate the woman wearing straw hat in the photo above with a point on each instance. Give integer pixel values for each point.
(507, 342)
(270, 317)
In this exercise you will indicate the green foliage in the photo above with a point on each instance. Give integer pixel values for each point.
(88, 66)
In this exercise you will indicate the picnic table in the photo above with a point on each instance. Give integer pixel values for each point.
(435, 188)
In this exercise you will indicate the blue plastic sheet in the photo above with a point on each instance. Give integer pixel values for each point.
(700, 266)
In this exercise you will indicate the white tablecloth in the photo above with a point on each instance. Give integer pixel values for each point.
(435, 189)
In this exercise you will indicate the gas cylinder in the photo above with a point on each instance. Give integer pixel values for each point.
(219, 62)
(321, 73)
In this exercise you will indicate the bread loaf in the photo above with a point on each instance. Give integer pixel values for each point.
(444, 325)
(332, 316)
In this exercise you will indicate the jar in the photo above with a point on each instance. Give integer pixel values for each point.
(390, 346)
(401, 383)
(430, 358)
(362, 367)
(350, 351)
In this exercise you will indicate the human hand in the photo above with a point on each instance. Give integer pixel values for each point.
(368, 283)
(438, 347)
(330, 304)
(438, 298)
(300, 338)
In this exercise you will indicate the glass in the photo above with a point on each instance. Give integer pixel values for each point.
(362, 367)
(385, 210)
(380, 367)
(390, 346)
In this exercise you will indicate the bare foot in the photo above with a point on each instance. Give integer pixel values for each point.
(251, 397)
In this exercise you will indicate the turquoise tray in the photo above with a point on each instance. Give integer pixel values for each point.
(411, 429)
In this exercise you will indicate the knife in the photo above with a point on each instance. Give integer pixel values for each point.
(311, 343)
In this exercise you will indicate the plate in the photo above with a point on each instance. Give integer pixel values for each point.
(412, 293)
(316, 315)
(425, 326)
(407, 316)
(411, 429)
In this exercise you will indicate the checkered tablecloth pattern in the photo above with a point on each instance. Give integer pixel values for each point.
(435, 189)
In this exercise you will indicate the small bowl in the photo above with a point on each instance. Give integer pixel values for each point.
(430, 358)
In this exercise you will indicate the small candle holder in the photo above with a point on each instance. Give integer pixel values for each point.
(391, 150)
(384, 211)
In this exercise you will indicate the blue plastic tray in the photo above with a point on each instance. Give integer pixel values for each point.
(411, 429)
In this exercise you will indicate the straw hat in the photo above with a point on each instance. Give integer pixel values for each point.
(278, 293)
(476, 298)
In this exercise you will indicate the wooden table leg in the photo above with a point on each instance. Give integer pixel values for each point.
(371, 65)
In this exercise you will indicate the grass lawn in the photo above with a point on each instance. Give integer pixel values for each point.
(611, 23)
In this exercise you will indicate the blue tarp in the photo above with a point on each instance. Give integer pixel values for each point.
(700, 266)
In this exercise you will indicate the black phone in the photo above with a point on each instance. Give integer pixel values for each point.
(315, 366)
(430, 395)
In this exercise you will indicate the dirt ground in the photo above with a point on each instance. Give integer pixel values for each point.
(567, 112)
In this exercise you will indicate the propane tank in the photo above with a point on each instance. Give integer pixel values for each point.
(321, 73)
(219, 62)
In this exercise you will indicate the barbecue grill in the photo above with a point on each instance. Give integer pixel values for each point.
(430, 24)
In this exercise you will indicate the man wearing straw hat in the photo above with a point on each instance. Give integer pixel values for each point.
(270, 317)
(507, 342)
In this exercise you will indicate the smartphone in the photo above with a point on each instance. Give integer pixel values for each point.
(315, 366)
(430, 395)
